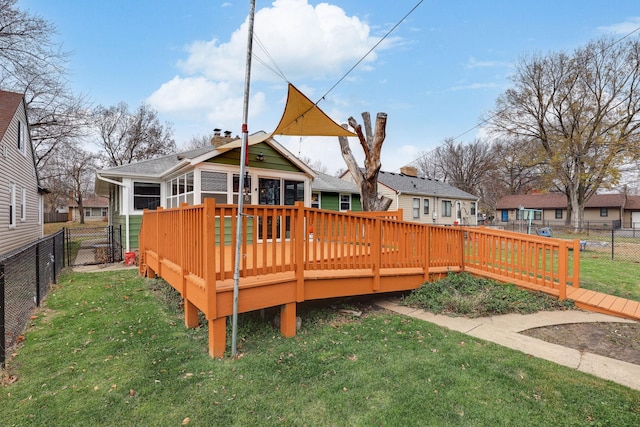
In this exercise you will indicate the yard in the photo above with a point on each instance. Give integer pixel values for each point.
(111, 349)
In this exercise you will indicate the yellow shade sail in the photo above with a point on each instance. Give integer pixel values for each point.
(302, 117)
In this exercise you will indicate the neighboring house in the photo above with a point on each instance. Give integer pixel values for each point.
(20, 193)
(275, 177)
(426, 200)
(333, 193)
(612, 210)
(95, 209)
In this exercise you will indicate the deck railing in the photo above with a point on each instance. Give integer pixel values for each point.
(193, 248)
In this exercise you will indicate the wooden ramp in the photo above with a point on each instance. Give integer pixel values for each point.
(603, 303)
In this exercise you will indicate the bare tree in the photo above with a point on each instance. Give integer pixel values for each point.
(73, 173)
(582, 110)
(367, 178)
(131, 137)
(516, 168)
(32, 64)
(316, 165)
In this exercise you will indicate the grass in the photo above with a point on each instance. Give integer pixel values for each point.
(462, 294)
(613, 277)
(109, 349)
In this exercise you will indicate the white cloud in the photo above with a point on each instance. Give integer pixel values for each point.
(474, 86)
(304, 42)
(474, 63)
(628, 26)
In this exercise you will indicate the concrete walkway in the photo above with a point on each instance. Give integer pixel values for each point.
(503, 330)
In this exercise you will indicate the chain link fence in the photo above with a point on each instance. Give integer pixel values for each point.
(25, 278)
(600, 239)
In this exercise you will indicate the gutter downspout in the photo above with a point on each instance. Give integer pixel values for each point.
(126, 215)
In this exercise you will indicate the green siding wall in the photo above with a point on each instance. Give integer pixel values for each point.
(272, 159)
(331, 201)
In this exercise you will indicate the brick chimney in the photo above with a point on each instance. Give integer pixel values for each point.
(409, 171)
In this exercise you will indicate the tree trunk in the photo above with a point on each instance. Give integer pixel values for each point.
(367, 179)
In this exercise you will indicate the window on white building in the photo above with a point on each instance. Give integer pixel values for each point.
(345, 202)
(446, 208)
(415, 208)
(146, 195)
(12, 205)
(214, 185)
(425, 206)
(23, 205)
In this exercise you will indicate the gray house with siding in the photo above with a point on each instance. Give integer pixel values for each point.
(426, 200)
(20, 193)
(274, 176)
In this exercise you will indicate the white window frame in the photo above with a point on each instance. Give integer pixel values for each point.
(23, 205)
(447, 208)
(318, 202)
(12, 205)
(216, 194)
(22, 138)
(425, 206)
(134, 195)
(340, 201)
(415, 208)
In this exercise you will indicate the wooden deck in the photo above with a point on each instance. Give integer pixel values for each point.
(292, 254)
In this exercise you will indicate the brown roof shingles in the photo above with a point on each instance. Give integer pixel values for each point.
(559, 201)
(9, 102)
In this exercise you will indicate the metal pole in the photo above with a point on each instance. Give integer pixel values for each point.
(243, 161)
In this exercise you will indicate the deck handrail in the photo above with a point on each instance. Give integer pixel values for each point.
(193, 249)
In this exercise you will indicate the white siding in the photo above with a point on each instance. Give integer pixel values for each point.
(18, 168)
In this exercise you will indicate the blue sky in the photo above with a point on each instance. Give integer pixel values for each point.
(436, 75)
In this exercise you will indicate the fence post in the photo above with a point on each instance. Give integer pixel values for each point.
(376, 247)
(38, 274)
(3, 337)
(613, 244)
(300, 243)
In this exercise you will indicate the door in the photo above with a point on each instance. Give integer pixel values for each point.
(269, 194)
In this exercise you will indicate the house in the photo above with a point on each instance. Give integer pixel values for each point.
(95, 209)
(20, 192)
(426, 200)
(611, 210)
(274, 176)
(333, 193)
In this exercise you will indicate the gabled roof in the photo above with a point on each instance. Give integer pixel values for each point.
(324, 182)
(162, 166)
(9, 103)
(407, 184)
(559, 201)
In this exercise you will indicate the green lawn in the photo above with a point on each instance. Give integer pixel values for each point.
(613, 277)
(110, 349)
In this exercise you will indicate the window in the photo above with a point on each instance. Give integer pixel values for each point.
(87, 212)
(415, 208)
(23, 206)
(425, 206)
(345, 202)
(537, 215)
(446, 208)
(214, 185)
(315, 200)
(473, 208)
(22, 137)
(180, 190)
(604, 211)
(146, 195)
(103, 212)
(12, 205)
(293, 192)
(558, 213)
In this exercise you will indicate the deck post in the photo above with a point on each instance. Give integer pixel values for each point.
(190, 314)
(217, 337)
(563, 257)
(576, 264)
(288, 319)
(427, 261)
(300, 242)
(376, 247)
(209, 256)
